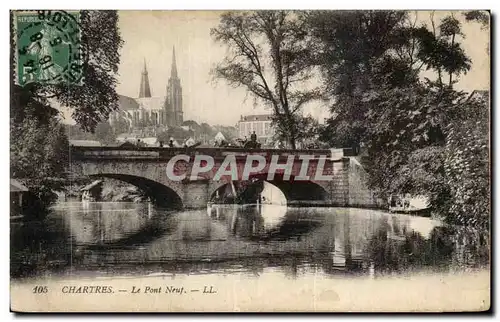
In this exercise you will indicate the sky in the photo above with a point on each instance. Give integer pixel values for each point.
(150, 35)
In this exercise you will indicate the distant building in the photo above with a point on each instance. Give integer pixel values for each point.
(147, 110)
(219, 137)
(260, 123)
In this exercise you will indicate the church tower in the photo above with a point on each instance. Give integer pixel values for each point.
(173, 102)
(144, 90)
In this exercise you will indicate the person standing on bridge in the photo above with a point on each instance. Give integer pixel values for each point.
(253, 137)
(171, 143)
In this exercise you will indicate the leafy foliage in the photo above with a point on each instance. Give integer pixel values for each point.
(405, 142)
(306, 126)
(483, 17)
(103, 133)
(467, 162)
(38, 145)
(418, 136)
(192, 125)
(175, 132)
(349, 47)
(362, 54)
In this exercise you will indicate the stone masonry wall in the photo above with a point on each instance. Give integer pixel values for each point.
(359, 193)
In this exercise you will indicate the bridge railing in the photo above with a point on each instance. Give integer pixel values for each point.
(167, 152)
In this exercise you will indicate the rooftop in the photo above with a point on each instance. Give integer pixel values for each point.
(91, 185)
(127, 103)
(16, 186)
(151, 103)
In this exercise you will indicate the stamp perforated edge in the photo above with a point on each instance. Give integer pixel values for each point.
(14, 40)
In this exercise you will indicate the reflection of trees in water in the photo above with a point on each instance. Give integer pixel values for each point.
(102, 223)
(248, 238)
(472, 247)
(396, 248)
(37, 247)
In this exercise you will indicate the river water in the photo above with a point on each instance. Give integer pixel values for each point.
(139, 239)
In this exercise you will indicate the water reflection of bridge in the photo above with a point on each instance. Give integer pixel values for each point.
(274, 222)
(334, 238)
(140, 238)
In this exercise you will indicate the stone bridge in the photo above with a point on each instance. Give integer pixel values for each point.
(169, 175)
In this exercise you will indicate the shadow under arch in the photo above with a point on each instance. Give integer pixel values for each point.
(160, 194)
(293, 190)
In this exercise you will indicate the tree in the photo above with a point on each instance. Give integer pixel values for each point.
(441, 51)
(307, 129)
(363, 51)
(482, 17)
(467, 162)
(121, 125)
(267, 56)
(178, 133)
(104, 133)
(347, 46)
(38, 145)
(404, 145)
(207, 132)
(206, 129)
(193, 125)
(419, 136)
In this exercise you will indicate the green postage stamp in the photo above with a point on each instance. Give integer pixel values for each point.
(48, 47)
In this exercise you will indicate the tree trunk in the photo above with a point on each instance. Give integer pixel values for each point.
(451, 74)
(292, 131)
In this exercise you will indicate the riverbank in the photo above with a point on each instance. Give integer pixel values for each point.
(112, 191)
(271, 290)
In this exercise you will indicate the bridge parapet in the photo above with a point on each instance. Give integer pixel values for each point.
(149, 167)
(217, 153)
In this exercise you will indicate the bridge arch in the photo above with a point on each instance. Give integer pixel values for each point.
(294, 191)
(161, 195)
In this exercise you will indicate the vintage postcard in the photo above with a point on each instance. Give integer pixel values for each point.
(250, 161)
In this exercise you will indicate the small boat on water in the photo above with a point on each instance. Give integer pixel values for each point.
(412, 205)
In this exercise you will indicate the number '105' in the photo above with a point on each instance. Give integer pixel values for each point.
(40, 289)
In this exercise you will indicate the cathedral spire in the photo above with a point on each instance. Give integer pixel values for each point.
(144, 90)
(173, 73)
(173, 101)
